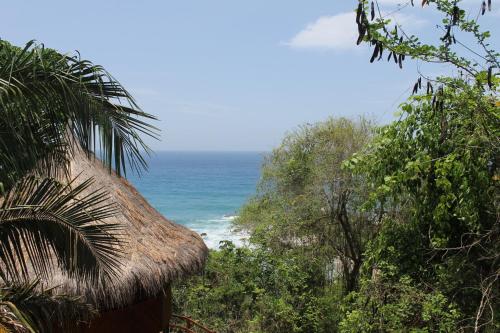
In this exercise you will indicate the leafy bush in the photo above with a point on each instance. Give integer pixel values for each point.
(250, 290)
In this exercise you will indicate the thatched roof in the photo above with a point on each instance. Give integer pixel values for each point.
(157, 250)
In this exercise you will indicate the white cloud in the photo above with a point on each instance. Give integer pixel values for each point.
(339, 32)
(407, 21)
(328, 32)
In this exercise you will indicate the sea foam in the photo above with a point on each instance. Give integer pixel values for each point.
(213, 231)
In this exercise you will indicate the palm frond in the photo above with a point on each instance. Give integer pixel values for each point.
(28, 307)
(48, 100)
(44, 224)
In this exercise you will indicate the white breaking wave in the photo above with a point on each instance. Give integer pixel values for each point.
(213, 231)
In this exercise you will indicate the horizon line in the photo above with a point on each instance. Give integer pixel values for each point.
(208, 151)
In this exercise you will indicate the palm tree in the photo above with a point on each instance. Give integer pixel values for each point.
(50, 105)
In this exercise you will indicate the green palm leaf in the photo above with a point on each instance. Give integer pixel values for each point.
(28, 307)
(49, 100)
(44, 224)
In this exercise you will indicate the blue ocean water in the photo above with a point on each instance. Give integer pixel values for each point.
(201, 190)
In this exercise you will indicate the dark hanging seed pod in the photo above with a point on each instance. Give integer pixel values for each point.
(362, 32)
(358, 13)
(483, 8)
(415, 89)
(389, 57)
(419, 83)
(489, 5)
(361, 27)
(401, 40)
(412, 4)
(400, 61)
(372, 11)
(403, 57)
(375, 53)
(395, 57)
(381, 52)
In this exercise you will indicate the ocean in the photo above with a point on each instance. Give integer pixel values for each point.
(201, 190)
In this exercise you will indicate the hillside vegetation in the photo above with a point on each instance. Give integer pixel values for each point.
(363, 228)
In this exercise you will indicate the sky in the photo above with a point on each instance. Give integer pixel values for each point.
(225, 75)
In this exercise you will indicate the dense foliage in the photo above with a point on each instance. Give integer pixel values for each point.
(307, 202)
(440, 166)
(423, 205)
(252, 290)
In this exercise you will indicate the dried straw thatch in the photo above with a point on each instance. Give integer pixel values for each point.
(157, 251)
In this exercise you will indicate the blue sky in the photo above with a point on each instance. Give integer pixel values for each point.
(230, 75)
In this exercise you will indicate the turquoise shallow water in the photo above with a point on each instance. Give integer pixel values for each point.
(201, 190)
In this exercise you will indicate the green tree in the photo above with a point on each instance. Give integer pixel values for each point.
(308, 202)
(439, 164)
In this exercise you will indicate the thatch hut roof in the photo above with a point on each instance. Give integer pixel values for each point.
(157, 251)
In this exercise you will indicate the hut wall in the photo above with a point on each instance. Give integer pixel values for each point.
(150, 316)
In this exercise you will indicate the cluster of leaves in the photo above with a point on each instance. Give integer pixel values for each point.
(307, 201)
(253, 290)
(456, 25)
(49, 101)
(30, 308)
(394, 306)
(441, 166)
(35, 208)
